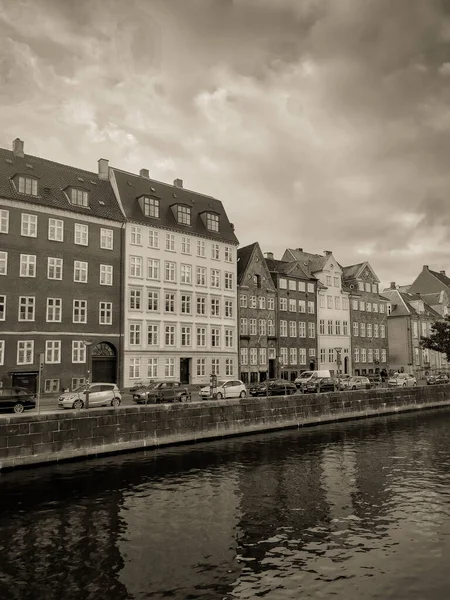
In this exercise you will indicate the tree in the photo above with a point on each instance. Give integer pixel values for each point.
(439, 339)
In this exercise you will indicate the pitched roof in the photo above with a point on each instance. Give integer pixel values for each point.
(402, 304)
(131, 187)
(243, 258)
(313, 262)
(441, 277)
(352, 271)
(432, 299)
(287, 267)
(53, 178)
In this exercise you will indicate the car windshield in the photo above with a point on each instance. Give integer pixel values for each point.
(221, 382)
(305, 375)
(80, 389)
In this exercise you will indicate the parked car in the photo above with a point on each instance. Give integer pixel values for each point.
(226, 388)
(138, 386)
(273, 387)
(357, 382)
(16, 399)
(306, 376)
(320, 384)
(439, 379)
(375, 380)
(162, 391)
(402, 380)
(100, 394)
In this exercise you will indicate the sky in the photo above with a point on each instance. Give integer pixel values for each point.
(321, 124)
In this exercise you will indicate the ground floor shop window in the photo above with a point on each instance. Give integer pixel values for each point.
(51, 385)
(77, 381)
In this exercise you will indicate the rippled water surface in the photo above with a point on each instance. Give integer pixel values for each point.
(353, 511)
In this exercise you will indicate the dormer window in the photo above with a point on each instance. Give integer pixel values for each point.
(212, 222)
(183, 215)
(27, 185)
(151, 207)
(78, 197)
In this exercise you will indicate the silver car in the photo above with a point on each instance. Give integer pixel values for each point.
(100, 394)
(402, 380)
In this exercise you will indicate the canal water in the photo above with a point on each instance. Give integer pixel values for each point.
(357, 510)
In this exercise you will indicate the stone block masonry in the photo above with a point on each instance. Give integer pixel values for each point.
(32, 439)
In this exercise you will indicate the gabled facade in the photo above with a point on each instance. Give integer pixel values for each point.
(258, 348)
(180, 306)
(297, 316)
(333, 312)
(409, 319)
(434, 287)
(60, 273)
(368, 320)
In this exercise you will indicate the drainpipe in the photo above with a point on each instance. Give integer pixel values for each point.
(120, 368)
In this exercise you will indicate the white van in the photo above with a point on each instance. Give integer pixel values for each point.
(306, 377)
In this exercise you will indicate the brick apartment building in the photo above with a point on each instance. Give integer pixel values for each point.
(60, 273)
(257, 316)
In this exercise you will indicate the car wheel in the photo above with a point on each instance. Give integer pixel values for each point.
(404, 385)
(78, 404)
(183, 398)
(18, 407)
(353, 387)
(242, 394)
(115, 402)
(219, 396)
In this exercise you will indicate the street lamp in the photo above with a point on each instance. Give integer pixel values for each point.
(87, 344)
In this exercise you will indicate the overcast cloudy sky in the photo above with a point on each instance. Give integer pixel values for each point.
(322, 124)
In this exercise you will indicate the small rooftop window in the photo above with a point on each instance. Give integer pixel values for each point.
(183, 215)
(78, 197)
(212, 222)
(27, 185)
(151, 207)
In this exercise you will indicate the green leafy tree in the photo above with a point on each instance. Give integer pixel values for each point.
(439, 338)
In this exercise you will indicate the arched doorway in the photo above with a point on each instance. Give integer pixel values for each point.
(104, 361)
(346, 365)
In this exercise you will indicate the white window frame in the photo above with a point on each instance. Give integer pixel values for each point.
(52, 352)
(81, 234)
(79, 309)
(53, 310)
(3, 263)
(30, 307)
(2, 352)
(134, 368)
(3, 307)
(136, 266)
(78, 351)
(4, 220)
(25, 348)
(80, 271)
(28, 225)
(27, 265)
(106, 274)
(170, 242)
(56, 230)
(55, 268)
(152, 367)
(105, 313)
(106, 239)
(153, 239)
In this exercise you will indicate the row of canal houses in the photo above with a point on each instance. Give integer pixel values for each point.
(114, 276)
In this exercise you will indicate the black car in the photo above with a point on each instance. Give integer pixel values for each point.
(320, 384)
(162, 391)
(273, 387)
(437, 379)
(16, 399)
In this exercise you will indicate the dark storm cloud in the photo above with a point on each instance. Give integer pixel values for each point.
(321, 123)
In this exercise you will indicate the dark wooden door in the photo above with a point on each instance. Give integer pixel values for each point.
(185, 375)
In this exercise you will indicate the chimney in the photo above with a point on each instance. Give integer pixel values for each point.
(103, 169)
(178, 183)
(144, 173)
(18, 148)
(393, 285)
(442, 272)
(299, 249)
(425, 267)
(269, 255)
(327, 252)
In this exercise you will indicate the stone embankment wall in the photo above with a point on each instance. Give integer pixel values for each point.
(31, 439)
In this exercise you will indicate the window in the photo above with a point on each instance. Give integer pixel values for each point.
(292, 305)
(153, 301)
(345, 327)
(169, 367)
(229, 338)
(355, 328)
(170, 242)
(330, 327)
(337, 281)
(215, 307)
(252, 301)
(186, 304)
(415, 329)
(212, 222)
(367, 286)
(201, 248)
(134, 302)
(2, 308)
(383, 355)
(186, 335)
(201, 305)
(186, 274)
(330, 355)
(337, 326)
(293, 356)
(153, 268)
(26, 308)
(323, 355)
(362, 330)
(368, 307)
(311, 330)
(79, 311)
(253, 356)
(2, 352)
(80, 271)
(56, 230)
(302, 306)
(253, 327)
(271, 303)
(169, 302)
(302, 329)
(134, 368)
(262, 303)
(215, 251)
(201, 367)
(28, 225)
(27, 185)
(106, 239)
(328, 280)
(25, 352)
(262, 326)
(215, 366)
(369, 330)
(271, 327)
(355, 304)
(4, 221)
(292, 285)
(215, 337)
(151, 207)
(322, 301)
(81, 236)
(322, 327)
(424, 329)
(201, 337)
(186, 245)
(183, 215)
(169, 335)
(362, 306)
(215, 278)
(244, 326)
(54, 268)
(27, 265)
(106, 275)
(52, 351)
(376, 354)
(228, 254)
(134, 334)
(135, 266)
(370, 355)
(78, 197)
(356, 354)
(283, 328)
(329, 301)
(169, 271)
(283, 303)
(311, 309)
(152, 368)
(284, 356)
(54, 308)
(337, 302)
(201, 276)
(136, 235)
(77, 382)
(228, 281)
(105, 313)
(363, 355)
(375, 330)
(382, 331)
(152, 334)
(244, 356)
(282, 284)
(229, 365)
(78, 352)
(382, 308)
(51, 385)
(153, 239)
(301, 356)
